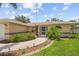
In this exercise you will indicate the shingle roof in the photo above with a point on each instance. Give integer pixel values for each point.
(11, 21)
(35, 23)
(49, 23)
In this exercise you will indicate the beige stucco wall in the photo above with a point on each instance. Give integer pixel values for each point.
(13, 28)
(64, 27)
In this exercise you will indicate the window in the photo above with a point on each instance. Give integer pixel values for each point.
(43, 28)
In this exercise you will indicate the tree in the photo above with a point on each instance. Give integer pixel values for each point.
(78, 20)
(53, 19)
(53, 33)
(14, 5)
(22, 19)
(47, 20)
(72, 20)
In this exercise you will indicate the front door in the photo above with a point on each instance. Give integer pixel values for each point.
(43, 30)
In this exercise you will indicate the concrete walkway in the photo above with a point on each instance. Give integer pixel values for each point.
(38, 50)
(21, 45)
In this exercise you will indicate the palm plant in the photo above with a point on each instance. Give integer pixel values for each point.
(53, 33)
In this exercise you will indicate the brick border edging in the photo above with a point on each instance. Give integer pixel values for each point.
(38, 50)
(26, 50)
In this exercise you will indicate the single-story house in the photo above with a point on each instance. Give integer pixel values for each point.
(9, 27)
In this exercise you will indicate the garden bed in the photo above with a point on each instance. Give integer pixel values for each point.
(26, 50)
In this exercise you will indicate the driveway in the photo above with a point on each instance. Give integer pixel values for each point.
(21, 45)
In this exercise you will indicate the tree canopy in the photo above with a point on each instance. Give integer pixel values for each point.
(72, 20)
(22, 19)
(53, 19)
(14, 5)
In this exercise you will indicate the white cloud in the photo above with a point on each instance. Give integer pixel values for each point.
(26, 14)
(20, 8)
(54, 8)
(33, 7)
(19, 11)
(39, 6)
(13, 12)
(51, 15)
(12, 17)
(75, 17)
(61, 13)
(7, 12)
(72, 18)
(29, 5)
(45, 16)
(6, 5)
(67, 4)
(65, 8)
(35, 11)
(31, 16)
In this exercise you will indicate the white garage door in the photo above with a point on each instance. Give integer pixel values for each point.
(2, 32)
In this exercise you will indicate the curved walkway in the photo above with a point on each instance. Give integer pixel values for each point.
(38, 50)
(21, 45)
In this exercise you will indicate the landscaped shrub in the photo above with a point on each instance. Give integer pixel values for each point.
(66, 35)
(21, 37)
(53, 33)
(74, 36)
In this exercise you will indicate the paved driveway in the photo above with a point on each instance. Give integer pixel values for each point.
(21, 45)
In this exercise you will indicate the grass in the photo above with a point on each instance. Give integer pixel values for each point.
(61, 48)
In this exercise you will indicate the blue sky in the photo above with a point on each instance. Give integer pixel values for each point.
(40, 12)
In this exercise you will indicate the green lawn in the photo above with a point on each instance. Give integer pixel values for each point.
(61, 48)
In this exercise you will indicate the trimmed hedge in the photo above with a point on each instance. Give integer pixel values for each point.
(74, 36)
(21, 37)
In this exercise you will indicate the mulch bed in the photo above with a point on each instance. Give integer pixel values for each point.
(26, 50)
